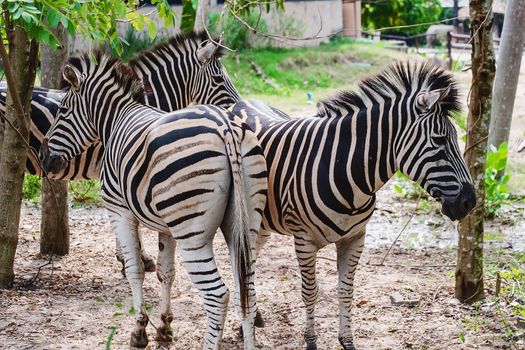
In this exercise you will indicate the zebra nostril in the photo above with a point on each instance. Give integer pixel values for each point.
(467, 204)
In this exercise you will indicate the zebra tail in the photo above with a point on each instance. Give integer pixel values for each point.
(241, 222)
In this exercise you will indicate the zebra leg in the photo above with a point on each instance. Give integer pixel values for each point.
(202, 269)
(247, 331)
(262, 238)
(166, 275)
(149, 262)
(306, 252)
(348, 253)
(125, 227)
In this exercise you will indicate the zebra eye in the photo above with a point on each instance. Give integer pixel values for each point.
(440, 140)
(64, 111)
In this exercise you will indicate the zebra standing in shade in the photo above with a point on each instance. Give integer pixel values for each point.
(185, 69)
(324, 171)
(173, 173)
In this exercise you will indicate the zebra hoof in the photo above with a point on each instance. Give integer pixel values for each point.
(311, 346)
(347, 343)
(311, 342)
(149, 263)
(259, 320)
(164, 335)
(139, 339)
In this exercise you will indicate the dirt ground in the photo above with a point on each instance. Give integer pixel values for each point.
(74, 302)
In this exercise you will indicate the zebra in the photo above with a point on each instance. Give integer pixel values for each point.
(178, 173)
(324, 171)
(44, 106)
(296, 150)
(185, 69)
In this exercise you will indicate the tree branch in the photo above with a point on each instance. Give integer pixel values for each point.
(11, 85)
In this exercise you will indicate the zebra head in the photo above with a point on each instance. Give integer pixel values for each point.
(213, 85)
(91, 81)
(427, 151)
(185, 69)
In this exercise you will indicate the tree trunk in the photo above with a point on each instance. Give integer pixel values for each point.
(54, 228)
(201, 17)
(23, 58)
(509, 63)
(469, 271)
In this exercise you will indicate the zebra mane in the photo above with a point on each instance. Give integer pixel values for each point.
(180, 43)
(397, 78)
(124, 76)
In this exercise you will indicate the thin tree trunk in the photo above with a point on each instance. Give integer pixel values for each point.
(509, 63)
(469, 271)
(201, 17)
(23, 56)
(54, 228)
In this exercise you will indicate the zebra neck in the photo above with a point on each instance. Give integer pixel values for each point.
(116, 113)
(365, 141)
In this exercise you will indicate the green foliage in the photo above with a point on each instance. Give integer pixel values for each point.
(507, 273)
(32, 187)
(244, 7)
(407, 188)
(93, 19)
(85, 191)
(187, 18)
(302, 70)
(496, 192)
(134, 42)
(236, 34)
(461, 120)
(382, 14)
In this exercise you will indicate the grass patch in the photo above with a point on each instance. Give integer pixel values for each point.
(335, 64)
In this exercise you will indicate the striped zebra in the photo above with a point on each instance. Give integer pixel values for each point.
(185, 69)
(324, 171)
(178, 173)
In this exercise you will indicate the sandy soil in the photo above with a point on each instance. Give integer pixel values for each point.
(74, 302)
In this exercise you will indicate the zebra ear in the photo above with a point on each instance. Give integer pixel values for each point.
(71, 75)
(204, 54)
(429, 99)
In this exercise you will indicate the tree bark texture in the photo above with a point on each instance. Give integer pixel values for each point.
(54, 228)
(469, 271)
(507, 74)
(23, 58)
(201, 16)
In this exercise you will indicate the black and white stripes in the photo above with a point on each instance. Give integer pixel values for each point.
(179, 173)
(323, 171)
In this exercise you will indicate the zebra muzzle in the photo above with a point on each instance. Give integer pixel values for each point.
(51, 163)
(456, 208)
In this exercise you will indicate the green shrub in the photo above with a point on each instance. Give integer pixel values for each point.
(237, 35)
(85, 191)
(32, 187)
(134, 42)
(407, 188)
(496, 192)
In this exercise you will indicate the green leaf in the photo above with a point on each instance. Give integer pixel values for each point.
(152, 30)
(53, 18)
(121, 9)
(71, 28)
